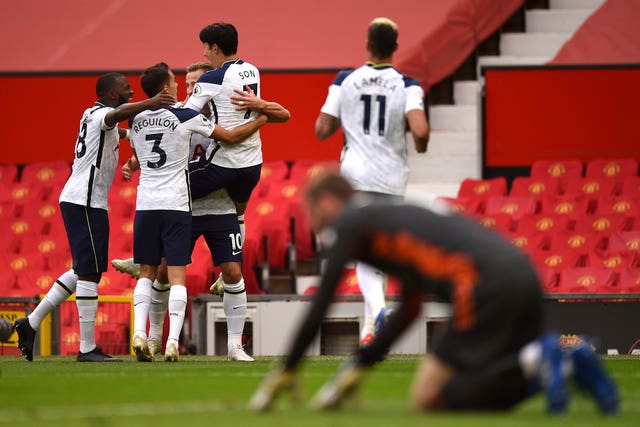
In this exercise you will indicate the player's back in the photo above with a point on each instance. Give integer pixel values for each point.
(95, 160)
(216, 87)
(161, 141)
(372, 110)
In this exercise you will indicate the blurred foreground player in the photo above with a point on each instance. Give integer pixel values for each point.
(83, 203)
(376, 105)
(491, 356)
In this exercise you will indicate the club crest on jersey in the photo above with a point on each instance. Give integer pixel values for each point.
(204, 120)
(197, 89)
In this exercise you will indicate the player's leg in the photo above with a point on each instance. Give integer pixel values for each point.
(240, 189)
(222, 234)
(158, 308)
(371, 282)
(147, 251)
(205, 177)
(176, 240)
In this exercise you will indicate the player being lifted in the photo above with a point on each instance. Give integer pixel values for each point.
(162, 225)
(375, 104)
(234, 167)
(490, 357)
(83, 203)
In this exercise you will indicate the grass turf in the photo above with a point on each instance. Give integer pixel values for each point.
(58, 391)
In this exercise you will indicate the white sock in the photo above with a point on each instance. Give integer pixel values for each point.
(177, 308)
(141, 303)
(234, 302)
(59, 292)
(241, 224)
(371, 283)
(87, 303)
(158, 309)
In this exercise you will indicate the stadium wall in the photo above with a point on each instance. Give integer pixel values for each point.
(558, 112)
(41, 112)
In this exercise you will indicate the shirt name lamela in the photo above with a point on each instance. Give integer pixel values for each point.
(157, 122)
(377, 82)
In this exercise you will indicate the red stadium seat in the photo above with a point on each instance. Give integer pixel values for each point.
(585, 280)
(273, 216)
(8, 174)
(500, 222)
(616, 261)
(561, 170)
(461, 205)
(45, 172)
(630, 187)
(515, 206)
(591, 188)
(115, 283)
(483, 188)
(624, 241)
(556, 260)
(23, 194)
(35, 282)
(531, 224)
(629, 280)
(548, 278)
(605, 224)
(571, 206)
(612, 168)
(271, 173)
(536, 187)
(530, 243)
(302, 170)
(623, 205)
(580, 242)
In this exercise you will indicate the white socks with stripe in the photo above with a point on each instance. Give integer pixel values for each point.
(87, 303)
(158, 309)
(371, 283)
(234, 302)
(141, 303)
(59, 292)
(177, 308)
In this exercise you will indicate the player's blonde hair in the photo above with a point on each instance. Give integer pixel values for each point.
(205, 66)
(382, 37)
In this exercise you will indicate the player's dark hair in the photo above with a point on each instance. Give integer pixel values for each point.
(382, 37)
(223, 34)
(329, 183)
(105, 83)
(204, 66)
(154, 78)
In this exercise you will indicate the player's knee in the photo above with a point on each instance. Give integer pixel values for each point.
(231, 272)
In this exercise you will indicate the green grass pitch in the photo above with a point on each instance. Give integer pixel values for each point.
(209, 391)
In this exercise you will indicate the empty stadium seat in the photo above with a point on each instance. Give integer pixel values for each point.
(271, 172)
(613, 260)
(629, 280)
(302, 170)
(530, 224)
(585, 280)
(630, 186)
(592, 188)
(500, 222)
(530, 242)
(8, 174)
(45, 172)
(462, 205)
(534, 186)
(571, 206)
(624, 241)
(515, 206)
(606, 224)
(612, 168)
(483, 188)
(556, 260)
(577, 241)
(624, 205)
(561, 170)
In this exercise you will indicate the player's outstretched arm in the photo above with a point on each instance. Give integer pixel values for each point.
(419, 129)
(247, 100)
(240, 133)
(326, 125)
(130, 109)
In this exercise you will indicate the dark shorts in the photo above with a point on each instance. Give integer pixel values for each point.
(205, 178)
(222, 234)
(508, 315)
(88, 234)
(162, 233)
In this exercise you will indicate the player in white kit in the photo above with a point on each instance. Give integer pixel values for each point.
(234, 167)
(162, 225)
(83, 203)
(374, 104)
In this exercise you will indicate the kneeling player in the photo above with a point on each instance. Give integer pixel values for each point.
(491, 356)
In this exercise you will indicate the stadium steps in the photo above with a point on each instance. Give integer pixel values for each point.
(454, 152)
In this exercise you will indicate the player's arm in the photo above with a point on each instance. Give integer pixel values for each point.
(326, 125)
(419, 127)
(132, 165)
(248, 100)
(130, 109)
(240, 133)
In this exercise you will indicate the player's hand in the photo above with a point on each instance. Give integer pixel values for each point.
(162, 100)
(246, 100)
(130, 167)
(275, 382)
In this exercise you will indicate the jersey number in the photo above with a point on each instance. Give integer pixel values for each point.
(382, 106)
(81, 145)
(156, 138)
(236, 242)
(254, 88)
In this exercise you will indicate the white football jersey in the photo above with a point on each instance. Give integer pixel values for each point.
(95, 160)
(371, 103)
(216, 88)
(160, 139)
(218, 202)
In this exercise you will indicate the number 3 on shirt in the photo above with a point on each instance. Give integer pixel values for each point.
(156, 138)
